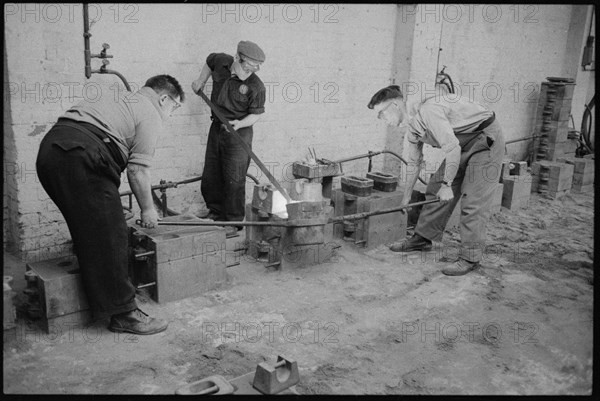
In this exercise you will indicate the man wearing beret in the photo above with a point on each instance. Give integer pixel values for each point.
(473, 146)
(239, 95)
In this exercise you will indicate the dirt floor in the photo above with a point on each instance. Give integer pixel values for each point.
(370, 322)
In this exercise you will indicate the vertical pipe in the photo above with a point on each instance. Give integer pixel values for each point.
(86, 42)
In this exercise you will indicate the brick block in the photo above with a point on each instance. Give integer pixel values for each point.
(516, 192)
(60, 289)
(582, 180)
(552, 135)
(551, 176)
(581, 165)
(550, 112)
(556, 102)
(505, 170)
(557, 91)
(186, 260)
(583, 188)
(518, 168)
(556, 194)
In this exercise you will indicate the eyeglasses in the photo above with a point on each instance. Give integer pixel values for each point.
(177, 104)
(382, 111)
(251, 66)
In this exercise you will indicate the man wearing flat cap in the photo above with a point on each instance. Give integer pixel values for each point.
(239, 95)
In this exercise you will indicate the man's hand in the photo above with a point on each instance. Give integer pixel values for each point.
(197, 86)
(405, 201)
(445, 194)
(236, 124)
(149, 218)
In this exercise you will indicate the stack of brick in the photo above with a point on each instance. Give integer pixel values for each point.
(552, 120)
(552, 179)
(583, 175)
(516, 185)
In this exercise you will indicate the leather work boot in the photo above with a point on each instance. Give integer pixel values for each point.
(460, 268)
(231, 231)
(210, 216)
(414, 243)
(136, 322)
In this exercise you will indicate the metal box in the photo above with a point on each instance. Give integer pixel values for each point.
(179, 261)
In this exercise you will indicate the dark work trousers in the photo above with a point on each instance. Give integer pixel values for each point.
(475, 182)
(81, 176)
(225, 166)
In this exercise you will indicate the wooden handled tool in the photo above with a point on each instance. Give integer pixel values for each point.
(233, 132)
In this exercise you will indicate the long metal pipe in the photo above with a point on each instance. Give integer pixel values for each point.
(291, 223)
(371, 154)
(247, 148)
(86, 42)
(166, 185)
(88, 54)
(101, 71)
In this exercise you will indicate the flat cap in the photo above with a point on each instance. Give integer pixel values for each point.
(251, 50)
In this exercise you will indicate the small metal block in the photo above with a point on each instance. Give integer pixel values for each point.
(383, 182)
(301, 170)
(274, 379)
(357, 185)
(213, 385)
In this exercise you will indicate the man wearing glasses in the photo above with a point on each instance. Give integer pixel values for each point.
(79, 164)
(240, 96)
(473, 146)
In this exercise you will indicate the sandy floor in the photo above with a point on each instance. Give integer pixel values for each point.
(373, 322)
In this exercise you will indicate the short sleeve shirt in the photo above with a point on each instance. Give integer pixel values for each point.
(234, 98)
(444, 123)
(133, 121)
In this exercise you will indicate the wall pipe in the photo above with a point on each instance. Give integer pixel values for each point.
(370, 155)
(88, 55)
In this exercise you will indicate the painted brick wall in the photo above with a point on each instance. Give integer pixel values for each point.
(497, 55)
(323, 62)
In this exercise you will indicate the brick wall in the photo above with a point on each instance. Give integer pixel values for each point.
(323, 64)
(498, 55)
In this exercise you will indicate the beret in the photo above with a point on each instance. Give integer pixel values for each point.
(251, 50)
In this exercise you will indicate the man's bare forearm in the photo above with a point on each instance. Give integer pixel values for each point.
(248, 121)
(140, 183)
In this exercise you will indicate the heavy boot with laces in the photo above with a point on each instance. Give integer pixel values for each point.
(136, 322)
(414, 243)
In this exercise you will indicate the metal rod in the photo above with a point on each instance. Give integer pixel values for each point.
(336, 219)
(259, 163)
(141, 255)
(86, 41)
(114, 73)
(168, 184)
(371, 154)
(522, 139)
(348, 159)
(224, 223)
(146, 285)
(357, 216)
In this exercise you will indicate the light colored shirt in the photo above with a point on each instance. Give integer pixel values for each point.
(445, 123)
(134, 121)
